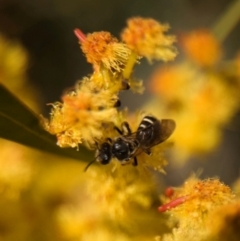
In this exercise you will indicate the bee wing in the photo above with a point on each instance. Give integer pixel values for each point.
(131, 136)
(163, 131)
(167, 128)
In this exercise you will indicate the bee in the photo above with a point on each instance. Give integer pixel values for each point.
(120, 148)
(150, 132)
(128, 145)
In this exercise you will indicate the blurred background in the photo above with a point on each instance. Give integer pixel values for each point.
(45, 29)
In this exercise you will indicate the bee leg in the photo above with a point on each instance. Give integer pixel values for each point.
(118, 130)
(126, 128)
(109, 140)
(135, 162)
(148, 152)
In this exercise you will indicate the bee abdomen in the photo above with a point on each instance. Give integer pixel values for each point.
(146, 122)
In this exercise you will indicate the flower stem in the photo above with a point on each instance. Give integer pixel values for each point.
(129, 66)
(227, 21)
(105, 75)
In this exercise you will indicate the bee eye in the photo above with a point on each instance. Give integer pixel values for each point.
(104, 153)
(105, 159)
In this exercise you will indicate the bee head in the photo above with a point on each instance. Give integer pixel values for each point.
(104, 155)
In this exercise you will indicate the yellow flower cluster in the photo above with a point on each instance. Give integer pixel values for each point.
(201, 94)
(147, 38)
(132, 190)
(194, 205)
(82, 114)
(110, 206)
(87, 114)
(56, 200)
(101, 48)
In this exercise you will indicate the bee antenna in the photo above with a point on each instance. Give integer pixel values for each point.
(89, 164)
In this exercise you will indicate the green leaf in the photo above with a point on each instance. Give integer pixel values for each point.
(20, 124)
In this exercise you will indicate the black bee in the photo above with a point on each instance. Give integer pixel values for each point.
(128, 145)
(150, 132)
(121, 148)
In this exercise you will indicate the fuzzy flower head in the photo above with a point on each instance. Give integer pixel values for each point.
(119, 190)
(81, 115)
(147, 38)
(202, 47)
(56, 125)
(109, 204)
(198, 198)
(192, 206)
(102, 49)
